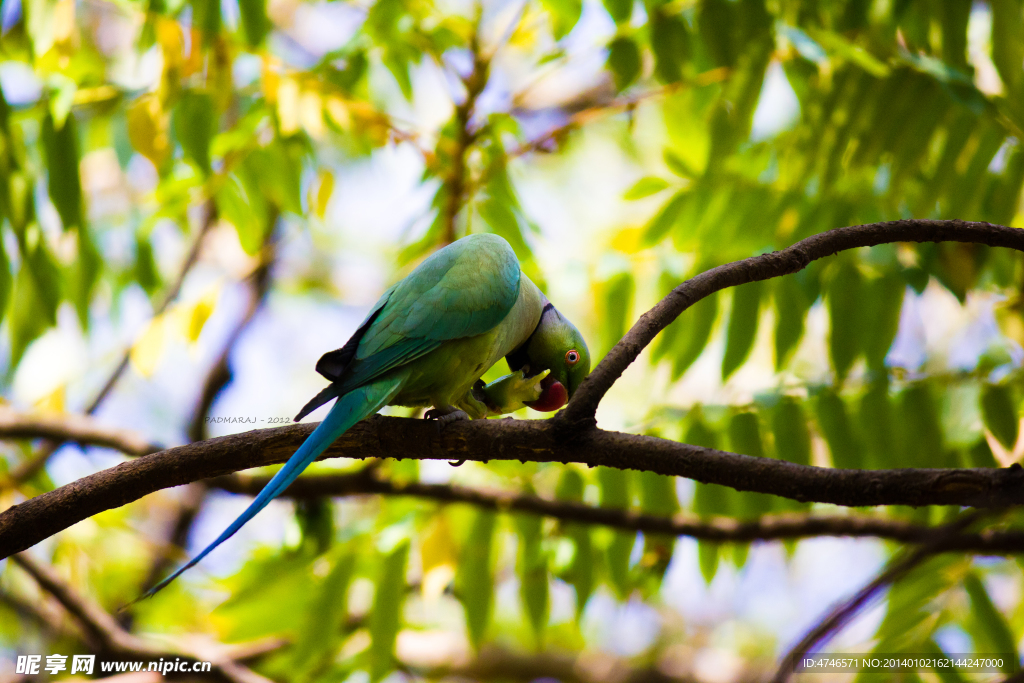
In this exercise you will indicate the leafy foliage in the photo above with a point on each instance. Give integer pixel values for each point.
(896, 110)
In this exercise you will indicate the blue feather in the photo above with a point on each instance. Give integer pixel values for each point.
(348, 410)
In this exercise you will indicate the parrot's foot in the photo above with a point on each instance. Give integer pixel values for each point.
(446, 414)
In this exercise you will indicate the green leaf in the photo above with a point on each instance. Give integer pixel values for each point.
(614, 486)
(580, 573)
(990, 626)
(923, 446)
(715, 21)
(474, 578)
(239, 206)
(792, 438)
(145, 271)
(195, 123)
(657, 497)
(65, 185)
(791, 306)
(533, 572)
(845, 301)
(707, 557)
(743, 320)
(325, 619)
(954, 15)
(676, 164)
(708, 499)
(620, 10)
(999, 409)
(206, 17)
(618, 298)
(564, 15)
(670, 42)
(665, 219)
(701, 321)
(36, 292)
(876, 423)
(1007, 47)
(83, 274)
(386, 617)
(624, 61)
(255, 24)
(838, 431)
(645, 187)
(6, 280)
(883, 302)
(745, 438)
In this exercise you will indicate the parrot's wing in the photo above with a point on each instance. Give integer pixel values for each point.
(463, 290)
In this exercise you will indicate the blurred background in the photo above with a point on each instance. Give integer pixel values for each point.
(199, 198)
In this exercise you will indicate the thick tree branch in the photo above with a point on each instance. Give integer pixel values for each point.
(583, 406)
(571, 436)
(24, 525)
(720, 529)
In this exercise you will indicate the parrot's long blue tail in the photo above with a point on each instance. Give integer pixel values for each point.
(348, 410)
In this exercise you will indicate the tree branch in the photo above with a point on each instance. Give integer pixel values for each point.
(571, 436)
(841, 615)
(104, 631)
(719, 529)
(583, 405)
(34, 464)
(24, 525)
(74, 428)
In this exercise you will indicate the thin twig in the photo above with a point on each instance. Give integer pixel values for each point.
(103, 630)
(843, 613)
(455, 179)
(27, 469)
(718, 529)
(218, 377)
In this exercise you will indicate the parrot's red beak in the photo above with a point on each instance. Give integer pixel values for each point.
(552, 397)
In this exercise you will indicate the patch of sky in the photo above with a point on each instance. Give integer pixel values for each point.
(10, 14)
(19, 82)
(229, 13)
(777, 107)
(953, 640)
(998, 163)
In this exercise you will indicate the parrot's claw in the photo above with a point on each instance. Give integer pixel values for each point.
(446, 415)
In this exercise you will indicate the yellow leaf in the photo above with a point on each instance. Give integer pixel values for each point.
(149, 349)
(438, 556)
(311, 112)
(54, 401)
(338, 111)
(324, 190)
(288, 106)
(64, 21)
(148, 130)
(193, 317)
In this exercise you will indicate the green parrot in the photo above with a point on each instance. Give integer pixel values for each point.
(427, 342)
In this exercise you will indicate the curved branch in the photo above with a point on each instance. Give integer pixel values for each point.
(583, 406)
(104, 631)
(718, 529)
(24, 525)
(945, 540)
(80, 429)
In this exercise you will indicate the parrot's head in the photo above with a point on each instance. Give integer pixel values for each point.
(555, 345)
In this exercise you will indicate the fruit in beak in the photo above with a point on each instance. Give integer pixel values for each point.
(552, 397)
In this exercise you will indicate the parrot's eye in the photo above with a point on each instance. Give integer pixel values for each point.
(572, 357)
